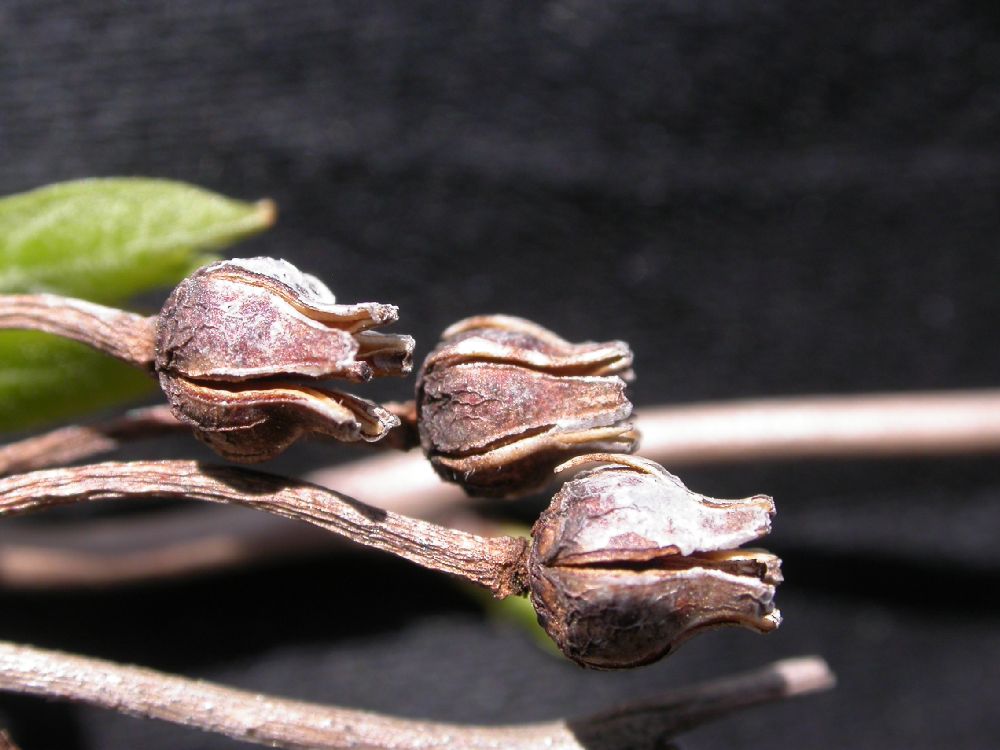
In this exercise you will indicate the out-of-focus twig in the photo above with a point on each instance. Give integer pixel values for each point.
(279, 722)
(6, 743)
(97, 553)
(861, 426)
(68, 444)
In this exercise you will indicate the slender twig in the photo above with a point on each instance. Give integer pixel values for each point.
(860, 426)
(646, 724)
(6, 743)
(189, 541)
(496, 563)
(68, 444)
(132, 549)
(124, 335)
(286, 723)
(197, 540)
(820, 427)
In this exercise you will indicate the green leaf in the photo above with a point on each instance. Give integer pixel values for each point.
(45, 378)
(104, 240)
(108, 239)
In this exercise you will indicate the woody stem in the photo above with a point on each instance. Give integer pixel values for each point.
(123, 335)
(494, 562)
(296, 725)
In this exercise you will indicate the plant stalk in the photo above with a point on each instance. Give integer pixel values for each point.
(297, 725)
(822, 427)
(494, 562)
(123, 335)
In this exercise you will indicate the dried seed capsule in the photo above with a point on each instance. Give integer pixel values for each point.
(501, 401)
(627, 562)
(236, 340)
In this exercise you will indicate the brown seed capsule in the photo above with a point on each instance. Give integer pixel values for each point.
(501, 401)
(236, 340)
(627, 563)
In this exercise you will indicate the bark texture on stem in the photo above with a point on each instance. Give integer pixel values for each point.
(496, 563)
(299, 725)
(123, 335)
(201, 539)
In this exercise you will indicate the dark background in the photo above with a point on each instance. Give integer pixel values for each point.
(762, 198)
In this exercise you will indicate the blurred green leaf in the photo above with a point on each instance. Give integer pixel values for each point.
(104, 240)
(44, 378)
(108, 239)
(519, 611)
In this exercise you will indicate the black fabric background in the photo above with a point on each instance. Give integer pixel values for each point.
(762, 198)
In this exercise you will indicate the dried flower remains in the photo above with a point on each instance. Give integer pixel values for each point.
(240, 345)
(624, 565)
(501, 401)
(627, 563)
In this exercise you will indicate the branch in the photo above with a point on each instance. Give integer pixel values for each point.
(646, 724)
(862, 426)
(123, 335)
(68, 444)
(299, 725)
(188, 541)
(6, 743)
(496, 563)
(197, 540)
(871, 426)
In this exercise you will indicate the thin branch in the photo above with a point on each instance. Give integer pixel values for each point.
(496, 563)
(927, 424)
(69, 444)
(862, 426)
(182, 542)
(190, 541)
(822, 427)
(105, 552)
(6, 743)
(124, 335)
(299, 725)
(646, 724)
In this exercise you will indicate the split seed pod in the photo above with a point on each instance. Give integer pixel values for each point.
(627, 563)
(240, 342)
(501, 401)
